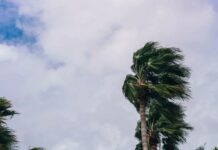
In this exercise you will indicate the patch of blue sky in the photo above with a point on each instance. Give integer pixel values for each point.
(10, 32)
(214, 4)
(4, 4)
(16, 29)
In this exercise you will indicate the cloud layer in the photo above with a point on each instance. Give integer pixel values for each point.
(67, 83)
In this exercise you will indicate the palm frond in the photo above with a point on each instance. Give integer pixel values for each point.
(7, 137)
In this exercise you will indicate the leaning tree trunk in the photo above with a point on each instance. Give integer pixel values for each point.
(143, 125)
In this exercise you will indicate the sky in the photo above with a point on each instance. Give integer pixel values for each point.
(64, 62)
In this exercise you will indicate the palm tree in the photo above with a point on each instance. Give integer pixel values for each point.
(165, 126)
(7, 137)
(158, 73)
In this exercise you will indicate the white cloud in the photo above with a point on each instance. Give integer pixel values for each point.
(67, 145)
(79, 105)
(7, 53)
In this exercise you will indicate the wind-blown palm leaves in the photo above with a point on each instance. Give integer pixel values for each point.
(165, 126)
(158, 74)
(7, 137)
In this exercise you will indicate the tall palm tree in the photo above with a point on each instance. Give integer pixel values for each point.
(7, 137)
(165, 126)
(158, 73)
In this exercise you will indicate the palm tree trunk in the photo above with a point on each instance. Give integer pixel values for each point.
(143, 124)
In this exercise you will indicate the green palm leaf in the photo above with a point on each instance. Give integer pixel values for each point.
(7, 138)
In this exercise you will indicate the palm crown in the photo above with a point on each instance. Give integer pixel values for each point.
(158, 73)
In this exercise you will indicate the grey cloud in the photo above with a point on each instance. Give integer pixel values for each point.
(80, 104)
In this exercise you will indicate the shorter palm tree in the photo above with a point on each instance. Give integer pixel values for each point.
(165, 126)
(7, 137)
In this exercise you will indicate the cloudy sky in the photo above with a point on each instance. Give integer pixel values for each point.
(63, 64)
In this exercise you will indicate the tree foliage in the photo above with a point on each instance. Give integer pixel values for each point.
(158, 75)
(7, 137)
(203, 148)
(166, 125)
